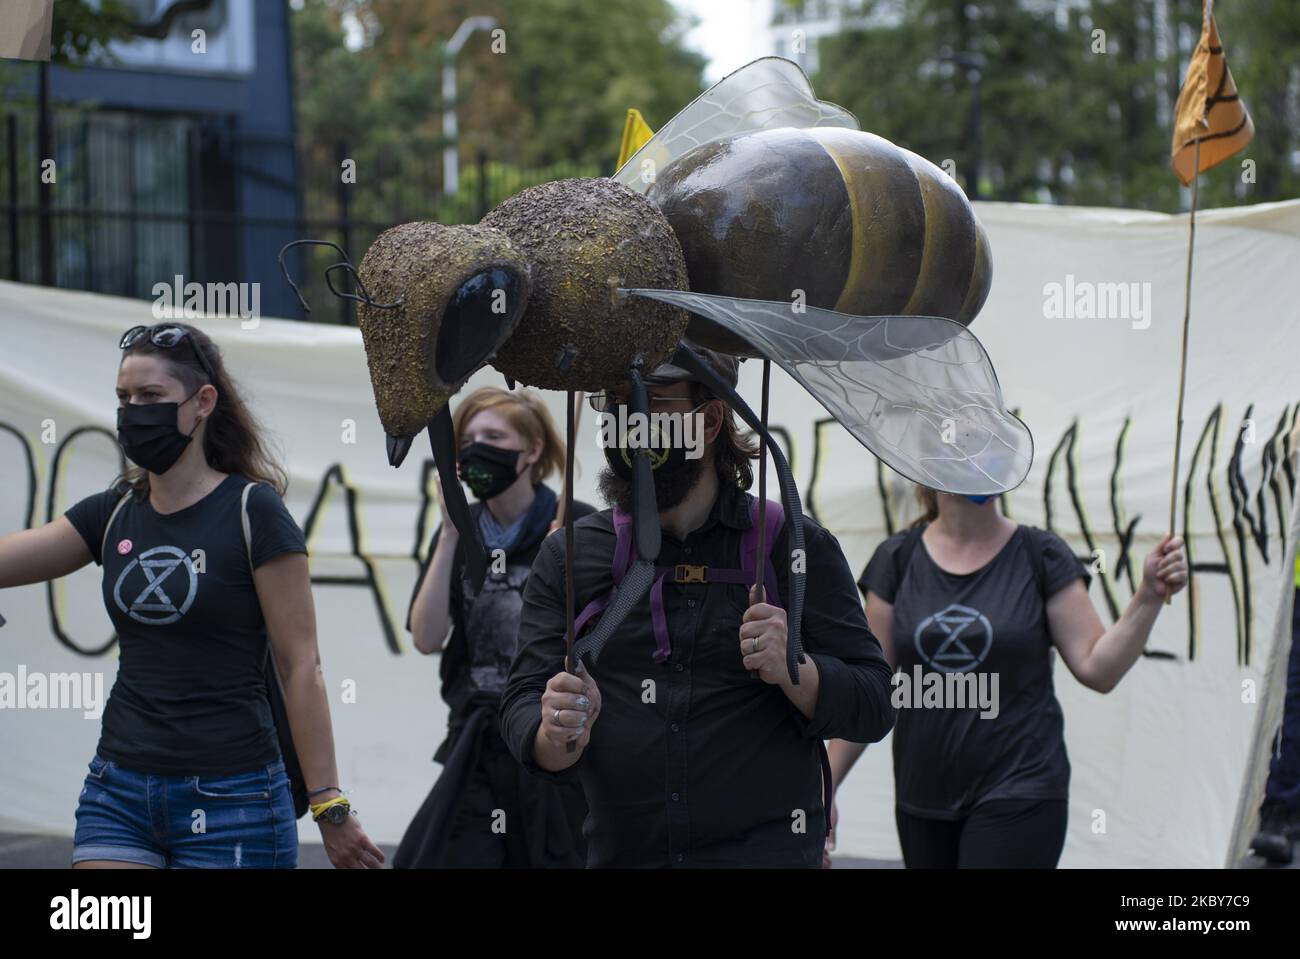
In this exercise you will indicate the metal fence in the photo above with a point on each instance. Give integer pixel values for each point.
(133, 199)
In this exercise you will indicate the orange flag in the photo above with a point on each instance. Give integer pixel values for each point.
(1209, 109)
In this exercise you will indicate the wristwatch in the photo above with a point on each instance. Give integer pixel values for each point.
(335, 812)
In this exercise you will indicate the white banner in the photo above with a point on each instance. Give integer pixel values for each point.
(1083, 325)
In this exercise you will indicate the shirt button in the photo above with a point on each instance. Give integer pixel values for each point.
(674, 727)
(686, 550)
(680, 857)
(676, 797)
(690, 603)
(678, 667)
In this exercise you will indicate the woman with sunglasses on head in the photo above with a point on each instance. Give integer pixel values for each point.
(188, 771)
(967, 593)
(485, 809)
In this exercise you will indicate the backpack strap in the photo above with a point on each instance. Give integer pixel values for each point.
(774, 521)
(275, 689)
(1034, 547)
(622, 561)
(622, 545)
(623, 548)
(248, 529)
(745, 574)
(103, 543)
(903, 555)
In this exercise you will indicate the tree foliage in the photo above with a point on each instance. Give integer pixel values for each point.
(82, 29)
(552, 88)
(1076, 100)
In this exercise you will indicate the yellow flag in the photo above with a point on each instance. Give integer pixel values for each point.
(1209, 109)
(636, 134)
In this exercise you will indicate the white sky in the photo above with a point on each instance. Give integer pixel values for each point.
(730, 34)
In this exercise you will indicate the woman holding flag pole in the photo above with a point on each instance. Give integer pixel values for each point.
(989, 789)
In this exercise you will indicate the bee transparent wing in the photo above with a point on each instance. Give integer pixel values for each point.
(917, 391)
(768, 93)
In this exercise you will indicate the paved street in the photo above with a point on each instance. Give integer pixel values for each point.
(26, 851)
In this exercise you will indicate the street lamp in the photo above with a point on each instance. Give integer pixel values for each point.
(973, 64)
(450, 161)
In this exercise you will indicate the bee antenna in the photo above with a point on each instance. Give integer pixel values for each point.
(361, 287)
(346, 264)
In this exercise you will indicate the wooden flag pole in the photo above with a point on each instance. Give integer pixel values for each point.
(1182, 367)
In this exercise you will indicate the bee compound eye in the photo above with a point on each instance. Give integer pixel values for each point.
(480, 313)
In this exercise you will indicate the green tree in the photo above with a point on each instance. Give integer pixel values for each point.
(1076, 102)
(556, 94)
(81, 29)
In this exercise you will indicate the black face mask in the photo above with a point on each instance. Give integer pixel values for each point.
(149, 436)
(488, 470)
(674, 474)
(665, 459)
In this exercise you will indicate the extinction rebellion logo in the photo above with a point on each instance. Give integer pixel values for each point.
(161, 584)
(951, 642)
(954, 640)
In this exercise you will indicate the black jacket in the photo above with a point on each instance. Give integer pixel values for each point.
(691, 762)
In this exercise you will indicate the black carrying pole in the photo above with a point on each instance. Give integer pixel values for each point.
(646, 537)
(442, 441)
(569, 665)
(760, 566)
(688, 359)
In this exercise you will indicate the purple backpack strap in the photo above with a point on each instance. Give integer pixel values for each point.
(622, 560)
(749, 548)
(663, 647)
(622, 546)
(775, 519)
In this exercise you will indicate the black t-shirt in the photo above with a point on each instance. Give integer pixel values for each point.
(190, 696)
(992, 622)
(485, 623)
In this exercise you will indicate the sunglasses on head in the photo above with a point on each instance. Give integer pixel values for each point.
(605, 401)
(167, 337)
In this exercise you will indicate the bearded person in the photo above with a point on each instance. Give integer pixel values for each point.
(691, 743)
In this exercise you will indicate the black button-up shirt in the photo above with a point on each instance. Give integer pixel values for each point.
(692, 762)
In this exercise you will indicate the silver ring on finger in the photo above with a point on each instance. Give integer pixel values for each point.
(556, 718)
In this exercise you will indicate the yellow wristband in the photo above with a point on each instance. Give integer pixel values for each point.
(319, 808)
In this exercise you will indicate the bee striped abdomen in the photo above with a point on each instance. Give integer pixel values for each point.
(857, 223)
(762, 216)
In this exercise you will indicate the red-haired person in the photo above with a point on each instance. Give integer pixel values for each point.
(486, 810)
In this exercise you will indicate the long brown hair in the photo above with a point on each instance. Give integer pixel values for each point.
(232, 438)
(524, 410)
(733, 449)
(929, 501)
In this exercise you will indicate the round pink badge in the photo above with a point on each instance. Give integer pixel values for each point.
(124, 547)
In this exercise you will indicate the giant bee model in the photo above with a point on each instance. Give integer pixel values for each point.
(760, 222)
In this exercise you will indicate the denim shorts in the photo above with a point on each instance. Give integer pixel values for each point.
(244, 821)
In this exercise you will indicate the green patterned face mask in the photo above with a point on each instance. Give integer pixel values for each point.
(488, 470)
